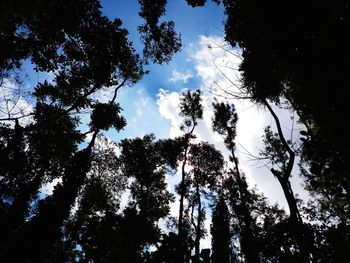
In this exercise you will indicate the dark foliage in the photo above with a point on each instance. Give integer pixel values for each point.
(161, 40)
(294, 50)
(221, 233)
(284, 46)
(85, 52)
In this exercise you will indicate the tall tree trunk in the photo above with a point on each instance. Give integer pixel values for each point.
(198, 227)
(181, 248)
(182, 193)
(283, 176)
(250, 245)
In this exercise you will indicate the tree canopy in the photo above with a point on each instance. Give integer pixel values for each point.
(111, 201)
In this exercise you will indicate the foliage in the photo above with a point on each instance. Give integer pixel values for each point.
(88, 217)
(225, 121)
(161, 40)
(191, 108)
(106, 115)
(141, 160)
(283, 56)
(207, 164)
(221, 234)
(84, 52)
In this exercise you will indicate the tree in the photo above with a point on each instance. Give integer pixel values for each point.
(224, 122)
(97, 227)
(191, 110)
(141, 160)
(85, 51)
(207, 164)
(277, 150)
(167, 251)
(161, 40)
(285, 59)
(94, 225)
(220, 232)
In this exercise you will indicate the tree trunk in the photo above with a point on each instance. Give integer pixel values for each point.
(283, 178)
(250, 246)
(198, 228)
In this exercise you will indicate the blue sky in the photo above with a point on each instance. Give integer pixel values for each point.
(191, 22)
(151, 106)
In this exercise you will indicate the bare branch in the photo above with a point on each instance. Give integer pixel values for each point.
(223, 47)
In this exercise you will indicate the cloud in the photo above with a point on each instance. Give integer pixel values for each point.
(13, 103)
(178, 76)
(213, 58)
(168, 106)
(217, 66)
(47, 189)
(142, 103)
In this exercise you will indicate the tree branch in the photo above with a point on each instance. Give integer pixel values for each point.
(291, 153)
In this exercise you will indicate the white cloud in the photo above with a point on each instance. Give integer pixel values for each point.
(213, 57)
(47, 189)
(179, 76)
(168, 106)
(217, 68)
(13, 103)
(142, 103)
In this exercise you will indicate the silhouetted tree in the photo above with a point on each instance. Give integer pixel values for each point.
(94, 222)
(224, 122)
(206, 167)
(220, 232)
(161, 40)
(168, 249)
(142, 161)
(85, 52)
(191, 110)
(278, 150)
(283, 56)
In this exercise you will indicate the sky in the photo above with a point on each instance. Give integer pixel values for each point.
(151, 106)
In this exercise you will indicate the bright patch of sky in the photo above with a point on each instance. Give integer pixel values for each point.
(13, 101)
(177, 76)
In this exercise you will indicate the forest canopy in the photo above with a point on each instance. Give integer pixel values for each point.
(111, 200)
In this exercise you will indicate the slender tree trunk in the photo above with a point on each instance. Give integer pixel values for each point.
(250, 243)
(289, 195)
(181, 248)
(182, 193)
(198, 227)
(283, 176)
